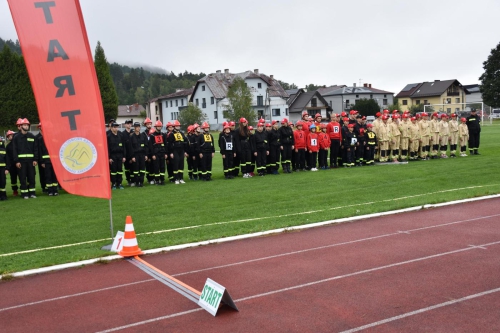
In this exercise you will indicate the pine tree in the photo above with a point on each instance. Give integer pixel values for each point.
(490, 80)
(106, 86)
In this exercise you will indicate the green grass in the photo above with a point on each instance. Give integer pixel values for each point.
(221, 208)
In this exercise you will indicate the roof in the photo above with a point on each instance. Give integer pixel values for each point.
(293, 93)
(472, 88)
(428, 89)
(218, 83)
(179, 93)
(325, 91)
(304, 98)
(356, 91)
(130, 110)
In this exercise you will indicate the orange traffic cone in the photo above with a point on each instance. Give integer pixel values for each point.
(130, 246)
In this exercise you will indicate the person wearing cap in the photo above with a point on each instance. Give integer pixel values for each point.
(343, 149)
(126, 140)
(333, 129)
(370, 145)
(245, 150)
(350, 142)
(474, 126)
(453, 125)
(110, 125)
(139, 151)
(352, 117)
(384, 137)
(227, 148)
(299, 139)
(192, 164)
(414, 140)
(205, 148)
(41, 171)
(12, 170)
(404, 129)
(306, 124)
(376, 123)
(168, 161)
(324, 145)
(274, 148)
(434, 137)
(359, 130)
(444, 135)
(425, 136)
(286, 141)
(150, 176)
(25, 157)
(116, 152)
(177, 146)
(4, 169)
(261, 149)
(317, 122)
(463, 136)
(46, 166)
(312, 143)
(395, 139)
(159, 154)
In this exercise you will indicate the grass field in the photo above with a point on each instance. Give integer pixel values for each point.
(221, 208)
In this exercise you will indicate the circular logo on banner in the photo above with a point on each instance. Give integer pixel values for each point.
(78, 155)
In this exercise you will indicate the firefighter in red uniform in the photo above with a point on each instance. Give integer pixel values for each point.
(177, 143)
(206, 150)
(25, 157)
(159, 153)
(299, 137)
(334, 132)
(313, 147)
(324, 145)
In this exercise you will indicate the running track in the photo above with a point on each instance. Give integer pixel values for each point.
(435, 270)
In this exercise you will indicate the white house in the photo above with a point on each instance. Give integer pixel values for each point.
(269, 98)
(169, 106)
(130, 112)
(340, 98)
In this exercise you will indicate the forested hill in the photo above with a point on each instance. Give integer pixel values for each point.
(14, 46)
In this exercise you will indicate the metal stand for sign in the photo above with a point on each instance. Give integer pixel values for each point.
(108, 247)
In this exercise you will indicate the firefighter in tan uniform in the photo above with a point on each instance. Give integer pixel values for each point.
(463, 136)
(384, 136)
(425, 134)
(404, 128)
(376, 124)
(444, 135)
(414, 138)
(434, 128)
(453, 125)
(395, 137)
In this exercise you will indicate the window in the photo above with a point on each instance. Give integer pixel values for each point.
(286, 111)
(405, 102)
(260, 100)
(426, 102)
(197, 102)
(215, 115)
(156, 107)
(202, 88)
(448, 109)
(457, 100)
(212, 100)
(457, 109)
(170, 103)
(330, 103)
(260, 114)
(203, 103)
(174, 115)
(417, 101)
(384, 101)
(371, 96)
(166, 104)
(182, 102)
(259, 85)
(448, 100)
(385, 96)
(176, 102)
(314, 102)
(276, 112)
(357, 96)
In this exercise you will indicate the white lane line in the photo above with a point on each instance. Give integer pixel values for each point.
(75, 295)
(306, 285)
(412, 313)
(264, 258)
(270, 217)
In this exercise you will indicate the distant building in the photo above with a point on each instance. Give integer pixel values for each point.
(268, 97)
(310, 101)
(450, 93)
(168, 107)
(474, 95)
(130, 112)
(340, 98)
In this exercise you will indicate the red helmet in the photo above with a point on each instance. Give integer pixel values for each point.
(378, 114)
(243, 120)
(395, 116)
(169, 124)
(343, 114)
(299, 123)
(425, 114)
(147, 121)
(369, 125)
(385, 117)
(158, 124)
(305, 113)
(352, 112)
(418, 116)
(274, 122)
(413, 118)
(284, 120)
(231, 123)
(435, 114)
(190, 128)
(224, 124)
(345, 119)
(39, 125)
(227, 126)
(444, 115)
(269, 125)
(385, 111)
(350, 126)
(323, 126)
(25, 121)
(395, 111)
(405, 116)
(463, 120)
(205, 125)
(453, 115)
(9, 132)
(177, 123)
(19, 121)
(262, 120)
(250, 128)
(317, 115)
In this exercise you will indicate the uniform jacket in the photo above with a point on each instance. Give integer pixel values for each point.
(176, 140)
(227, 143)
(158, 143)
(333, 130)
(473, 124)
(324, 140)
(43, 153)
(313, 142)
(261, 140)
(116, 146)
(205, 143)
(286, 135)
(4, 158)
(139, 144)
(25, 146)
(350, 139)
(299, 137)
(371, 138)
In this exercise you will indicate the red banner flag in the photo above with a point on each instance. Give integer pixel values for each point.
(57, 54)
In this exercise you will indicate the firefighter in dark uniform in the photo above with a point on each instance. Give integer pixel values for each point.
(159, 153)
(359, 130)
(4, 169)
(273, 139)
(350, 142)
(205, 149)
(177, 146)
(193, 159)
(227, 148)
(46, 165)
(474, 126)
(126, 140)
(261, 149)
(25, 158)
(116, 153)
(370, 145)
(140, 147)
(149, 163)
(286, 142)
(41, 171)
(12, 169)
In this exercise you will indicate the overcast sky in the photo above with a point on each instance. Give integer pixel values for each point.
(385, 43)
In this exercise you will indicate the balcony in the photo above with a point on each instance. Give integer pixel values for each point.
(453, 93)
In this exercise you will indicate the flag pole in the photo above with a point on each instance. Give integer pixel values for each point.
(108, 247)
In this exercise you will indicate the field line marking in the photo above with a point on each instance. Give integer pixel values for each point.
(306, 285)
(429, 308)
(273, 217)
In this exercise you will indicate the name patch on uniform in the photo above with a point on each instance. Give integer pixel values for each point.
(158, 139)
(207, 137)
(178, 137)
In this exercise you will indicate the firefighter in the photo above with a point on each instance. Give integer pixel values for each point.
(434, 135)
(25, 157)
(126, 139)
(370, 145)
(463, 135)
(140, 147)
(474, 127)
(190, 150)
(335, 134)
(245, 149)
(177, 146)
(384, 136)
(286, 142)
(350, 142)
(227, 148)
(13, 171)
(46, 165)
(425, 135)
(444, 135)
(299, 138)
(359, 130)
(312, 147)
(273, 138)
(395, 138)
(116, 153)
(404, 128)
(414, 140)
(150, 176)
(324, 145)
(159, 153)
(317, 122)
(205, 149)
(343, 149)
(41, 171)
(4, 169)
(453, 125)
(261, 149)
